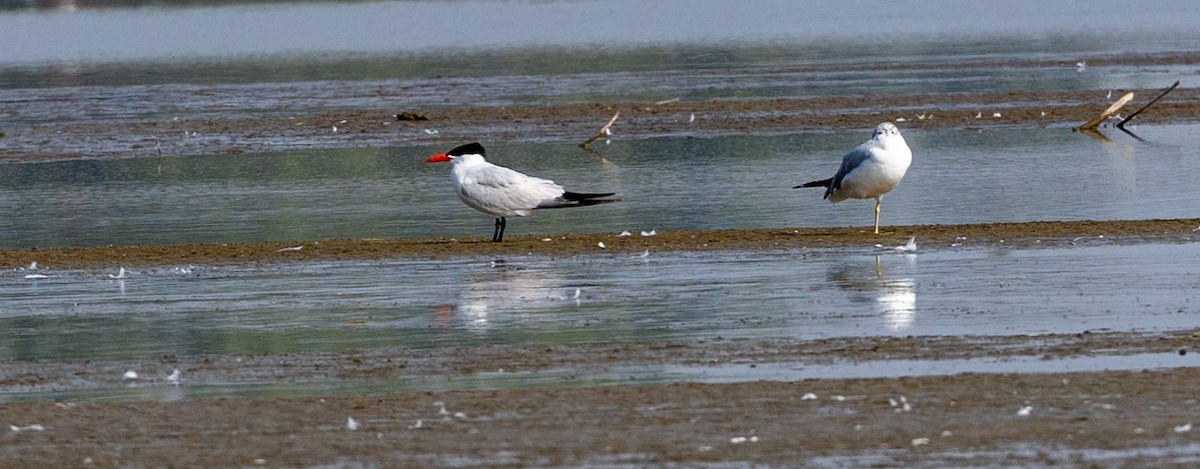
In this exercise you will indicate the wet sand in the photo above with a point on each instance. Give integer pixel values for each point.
(224, 128)
(1120, 419)
(1106, 418)
(1116, 418)
(578, 122)
(575, 122)
(1014, 235)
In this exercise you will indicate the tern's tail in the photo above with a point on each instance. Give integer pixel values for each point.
(821, 183)
(575, 199)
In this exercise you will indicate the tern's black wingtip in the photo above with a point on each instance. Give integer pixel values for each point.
(578, 196)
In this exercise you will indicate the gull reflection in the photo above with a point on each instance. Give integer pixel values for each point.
(505, 293)
(893, 296)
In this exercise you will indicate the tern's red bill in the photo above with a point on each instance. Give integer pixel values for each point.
(438, 158)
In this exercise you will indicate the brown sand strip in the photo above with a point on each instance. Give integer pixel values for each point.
(1032, 234)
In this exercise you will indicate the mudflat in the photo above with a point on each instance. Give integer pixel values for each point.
(223, 128)
(1138, 417)
(1016, 235)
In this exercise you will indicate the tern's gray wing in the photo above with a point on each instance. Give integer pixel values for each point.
(850, 162)
(499, 189)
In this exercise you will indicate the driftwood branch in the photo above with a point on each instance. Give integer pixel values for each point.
(604, 132)
(1121, 125)
(1095, 122)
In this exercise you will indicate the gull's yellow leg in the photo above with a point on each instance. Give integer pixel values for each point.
(877, 203)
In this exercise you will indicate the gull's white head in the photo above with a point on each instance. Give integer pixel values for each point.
(887, 136)
(886, 130)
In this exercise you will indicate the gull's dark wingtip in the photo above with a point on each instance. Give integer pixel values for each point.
(821, 183)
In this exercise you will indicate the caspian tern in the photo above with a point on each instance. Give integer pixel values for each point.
(869, 170)
(502, 192)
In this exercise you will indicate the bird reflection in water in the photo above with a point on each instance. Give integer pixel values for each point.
(504, 293)
(894, 296)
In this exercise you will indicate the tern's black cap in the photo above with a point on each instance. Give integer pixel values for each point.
(468, 149)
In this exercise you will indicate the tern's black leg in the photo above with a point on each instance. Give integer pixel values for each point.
(498, 234)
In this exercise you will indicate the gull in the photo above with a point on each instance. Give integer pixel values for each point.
(173, 378)
(870, 170)
(502, 192)
(120, 275)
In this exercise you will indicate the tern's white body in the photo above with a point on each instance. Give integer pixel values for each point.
(502, 192)
(499, 191)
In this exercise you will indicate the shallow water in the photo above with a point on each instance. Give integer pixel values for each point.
(194, 311)
(156, 387)
(189, 311)
(666, 183)
(613, 49)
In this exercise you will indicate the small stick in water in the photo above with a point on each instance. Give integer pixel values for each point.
(603, 131)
